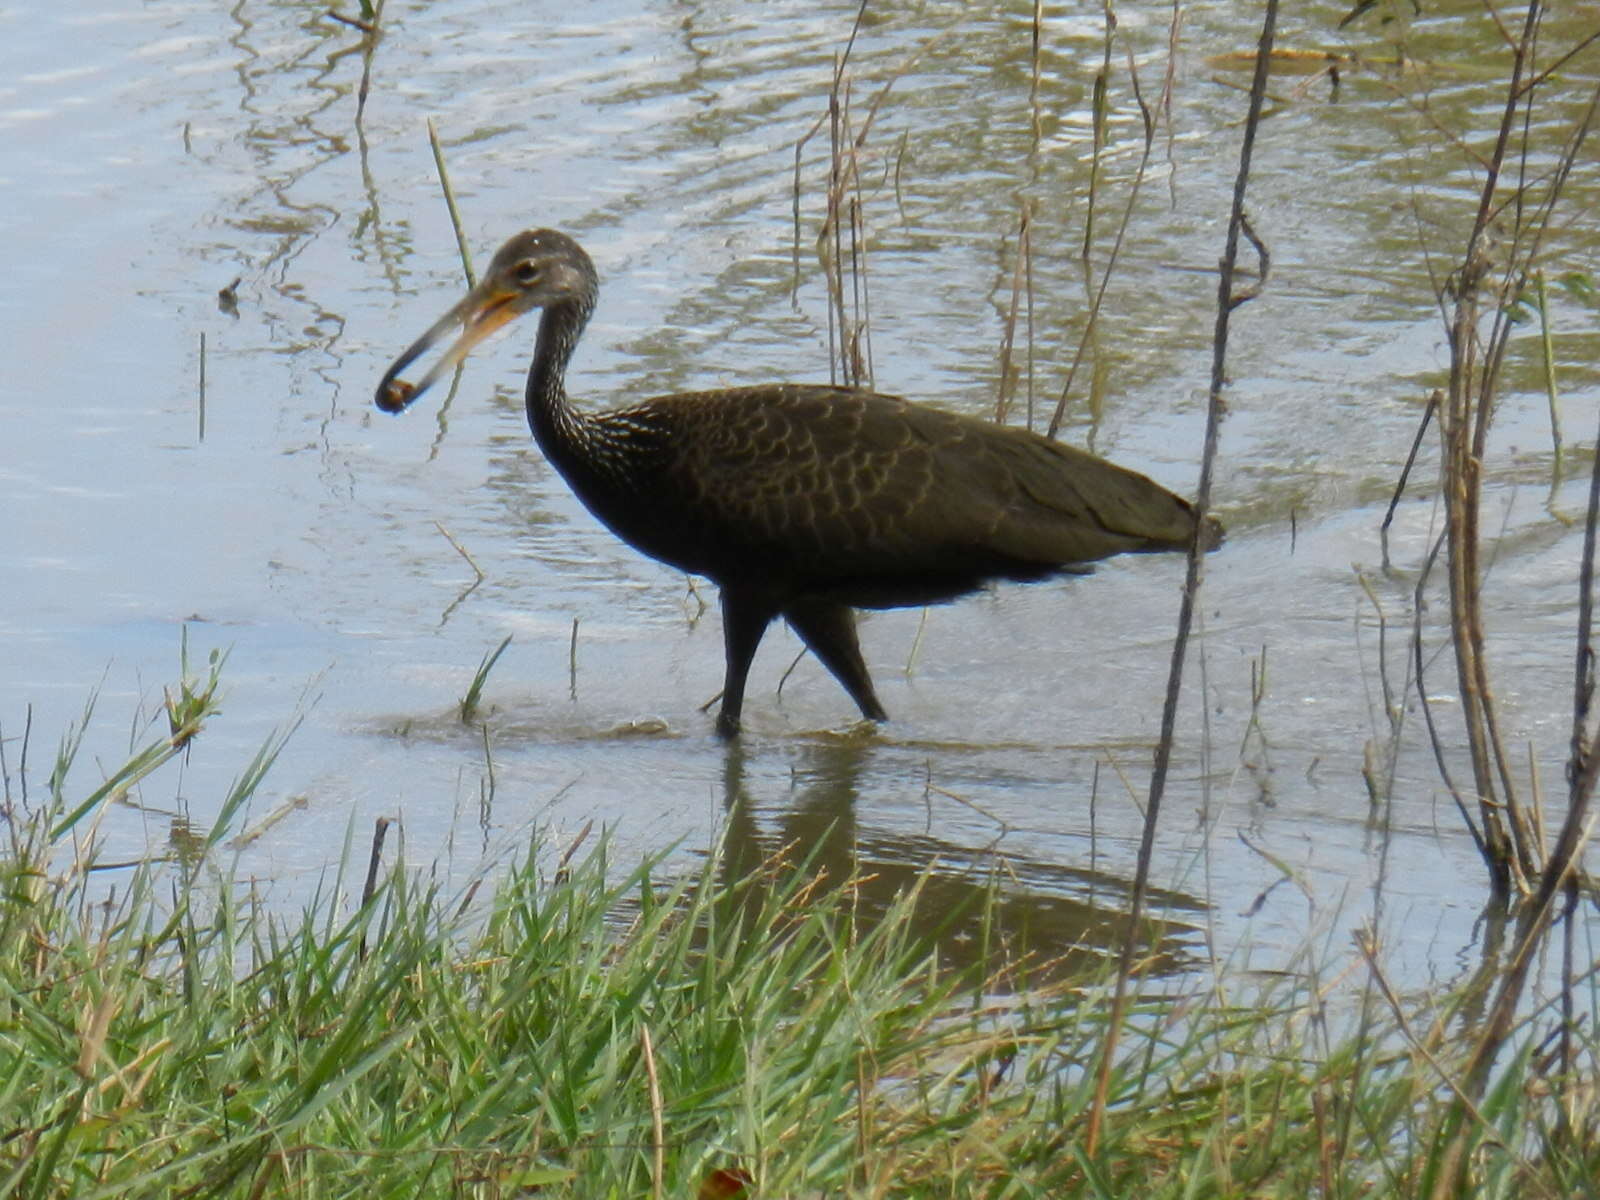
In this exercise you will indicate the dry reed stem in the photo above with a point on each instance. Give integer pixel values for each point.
(572, 662)
(564, 863)
(369, 44)
(354, 22)
(1513, 854)
(844, 197)
(1366, 942)
(478, 575)
(849, 326)
(1021, 272)
(1091, 325)
(461, 550)
(7, 801)
(837, 337)
(252, 835)
(1227, 301)
(380, 830)
(1405, 471)
(1558, 870)
(1552, 397)
(863, 1123)
(658, 1137)
(1452, 1175)
(450, 204)
(839, 360)
(1463, 492)
(1419, 665)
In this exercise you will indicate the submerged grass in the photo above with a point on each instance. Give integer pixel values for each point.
(589, 1031)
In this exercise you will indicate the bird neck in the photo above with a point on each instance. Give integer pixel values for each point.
(601, 456)
(555, 423)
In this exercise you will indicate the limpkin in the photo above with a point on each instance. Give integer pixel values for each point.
(804, 501)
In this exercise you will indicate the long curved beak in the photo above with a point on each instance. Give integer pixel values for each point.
(482, 311)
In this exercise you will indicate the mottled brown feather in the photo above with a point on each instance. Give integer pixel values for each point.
(862, 496)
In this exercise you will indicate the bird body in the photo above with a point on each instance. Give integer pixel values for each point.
(802, 488)
(804, 501)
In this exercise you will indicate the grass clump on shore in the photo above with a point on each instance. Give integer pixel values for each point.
(585, 1031)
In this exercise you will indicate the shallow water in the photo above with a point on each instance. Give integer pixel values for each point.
(154, 156)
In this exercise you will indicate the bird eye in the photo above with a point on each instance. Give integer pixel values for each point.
(526, 272)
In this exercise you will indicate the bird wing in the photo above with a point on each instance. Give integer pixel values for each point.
(853, 486)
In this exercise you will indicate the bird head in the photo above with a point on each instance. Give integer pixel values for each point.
(537, 268)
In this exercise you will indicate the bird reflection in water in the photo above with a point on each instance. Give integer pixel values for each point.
(991, 907)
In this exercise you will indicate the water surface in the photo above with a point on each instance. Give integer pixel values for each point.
(156, 155)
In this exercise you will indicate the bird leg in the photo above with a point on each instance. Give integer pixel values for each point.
(829, 631)
(743, 622)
